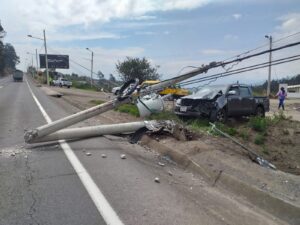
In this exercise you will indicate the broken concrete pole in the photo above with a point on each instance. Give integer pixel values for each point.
(92, 131)
(46, 129)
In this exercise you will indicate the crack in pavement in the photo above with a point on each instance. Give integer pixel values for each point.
(29, 179)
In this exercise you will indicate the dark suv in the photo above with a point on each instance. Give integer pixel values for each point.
(218, 102)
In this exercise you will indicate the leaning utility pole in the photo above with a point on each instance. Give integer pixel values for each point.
(270, 61)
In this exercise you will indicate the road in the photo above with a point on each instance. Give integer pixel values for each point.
(41, 184)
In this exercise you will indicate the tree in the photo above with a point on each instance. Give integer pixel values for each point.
(132, 68)
(10, 57)
(100, 75)
(112, 78)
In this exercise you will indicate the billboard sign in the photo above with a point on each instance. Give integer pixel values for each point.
(55, 61)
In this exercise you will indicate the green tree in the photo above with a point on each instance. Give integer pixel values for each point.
(132, 68)
(112, 78)
(100, 75)
(10, 57)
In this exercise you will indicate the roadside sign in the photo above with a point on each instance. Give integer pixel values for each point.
(55, 61)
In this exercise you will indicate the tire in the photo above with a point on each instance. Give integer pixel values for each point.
(260, 111)
(117, 92)
(218, 116)
(69, 86)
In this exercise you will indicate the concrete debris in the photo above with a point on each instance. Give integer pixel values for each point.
(123, 156)
(161, 164)
(13, 154)
(88, 153)
(103, 156)
(170, 173)
(157, 180)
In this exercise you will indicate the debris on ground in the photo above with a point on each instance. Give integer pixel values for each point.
(161, 164)
(170, 173)
(123, 156)
(157, 180)
(103, 155)
(13, 154)
(88, 153)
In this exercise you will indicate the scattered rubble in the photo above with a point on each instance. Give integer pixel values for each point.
(123, 156)
(104, 156)
(88, 153)
(161, 164)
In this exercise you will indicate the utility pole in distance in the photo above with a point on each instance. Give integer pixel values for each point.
(46, 57)
(92, 64)
(37, 64)
(270, 61)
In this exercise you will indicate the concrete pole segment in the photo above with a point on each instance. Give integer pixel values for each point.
(85, 132)
(72, 119)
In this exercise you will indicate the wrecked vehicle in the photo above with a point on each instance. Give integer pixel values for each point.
(218, 102)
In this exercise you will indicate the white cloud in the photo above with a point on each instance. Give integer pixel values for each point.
(55, 13)
(237, 16)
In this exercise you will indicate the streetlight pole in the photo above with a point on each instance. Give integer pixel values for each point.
(270, 61)
(46, 57)
(92, 63)
(37, 64)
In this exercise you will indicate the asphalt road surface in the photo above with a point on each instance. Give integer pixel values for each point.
(59, 184)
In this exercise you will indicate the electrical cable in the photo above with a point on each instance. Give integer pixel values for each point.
(216, 76)
(290, 57)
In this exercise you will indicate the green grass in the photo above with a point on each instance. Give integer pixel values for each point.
(129, 108)
(199, 125)
(165, 115)
(244, 134)
(83, 86)
(259, 139)
(97, 102)
(258, 123)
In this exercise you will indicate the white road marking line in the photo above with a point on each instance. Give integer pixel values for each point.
(103, 206)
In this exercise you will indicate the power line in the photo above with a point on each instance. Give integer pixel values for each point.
(242, 70)
(248, 67)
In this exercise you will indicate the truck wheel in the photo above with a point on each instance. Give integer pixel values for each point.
(260, 112)
(69, 86)
(60, 85)
(218, 116)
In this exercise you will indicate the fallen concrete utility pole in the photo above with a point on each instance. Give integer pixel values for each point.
(46, 129)
(255, 157)
(92, 131)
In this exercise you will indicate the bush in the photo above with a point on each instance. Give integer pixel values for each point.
(129, 108)
(258, 124)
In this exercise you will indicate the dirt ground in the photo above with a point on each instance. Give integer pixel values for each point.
(281, 145)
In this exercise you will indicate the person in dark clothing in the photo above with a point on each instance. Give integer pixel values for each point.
(281, 97)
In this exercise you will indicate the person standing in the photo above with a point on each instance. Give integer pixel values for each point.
(281, 97)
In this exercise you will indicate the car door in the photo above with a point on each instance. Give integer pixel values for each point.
(247, 100)
(234, 103)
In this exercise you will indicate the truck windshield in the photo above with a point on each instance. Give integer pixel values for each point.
(210, 92)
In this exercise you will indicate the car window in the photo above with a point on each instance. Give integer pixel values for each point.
(236, 89)
(244, 92)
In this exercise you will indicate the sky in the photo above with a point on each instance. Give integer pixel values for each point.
(171, 34)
